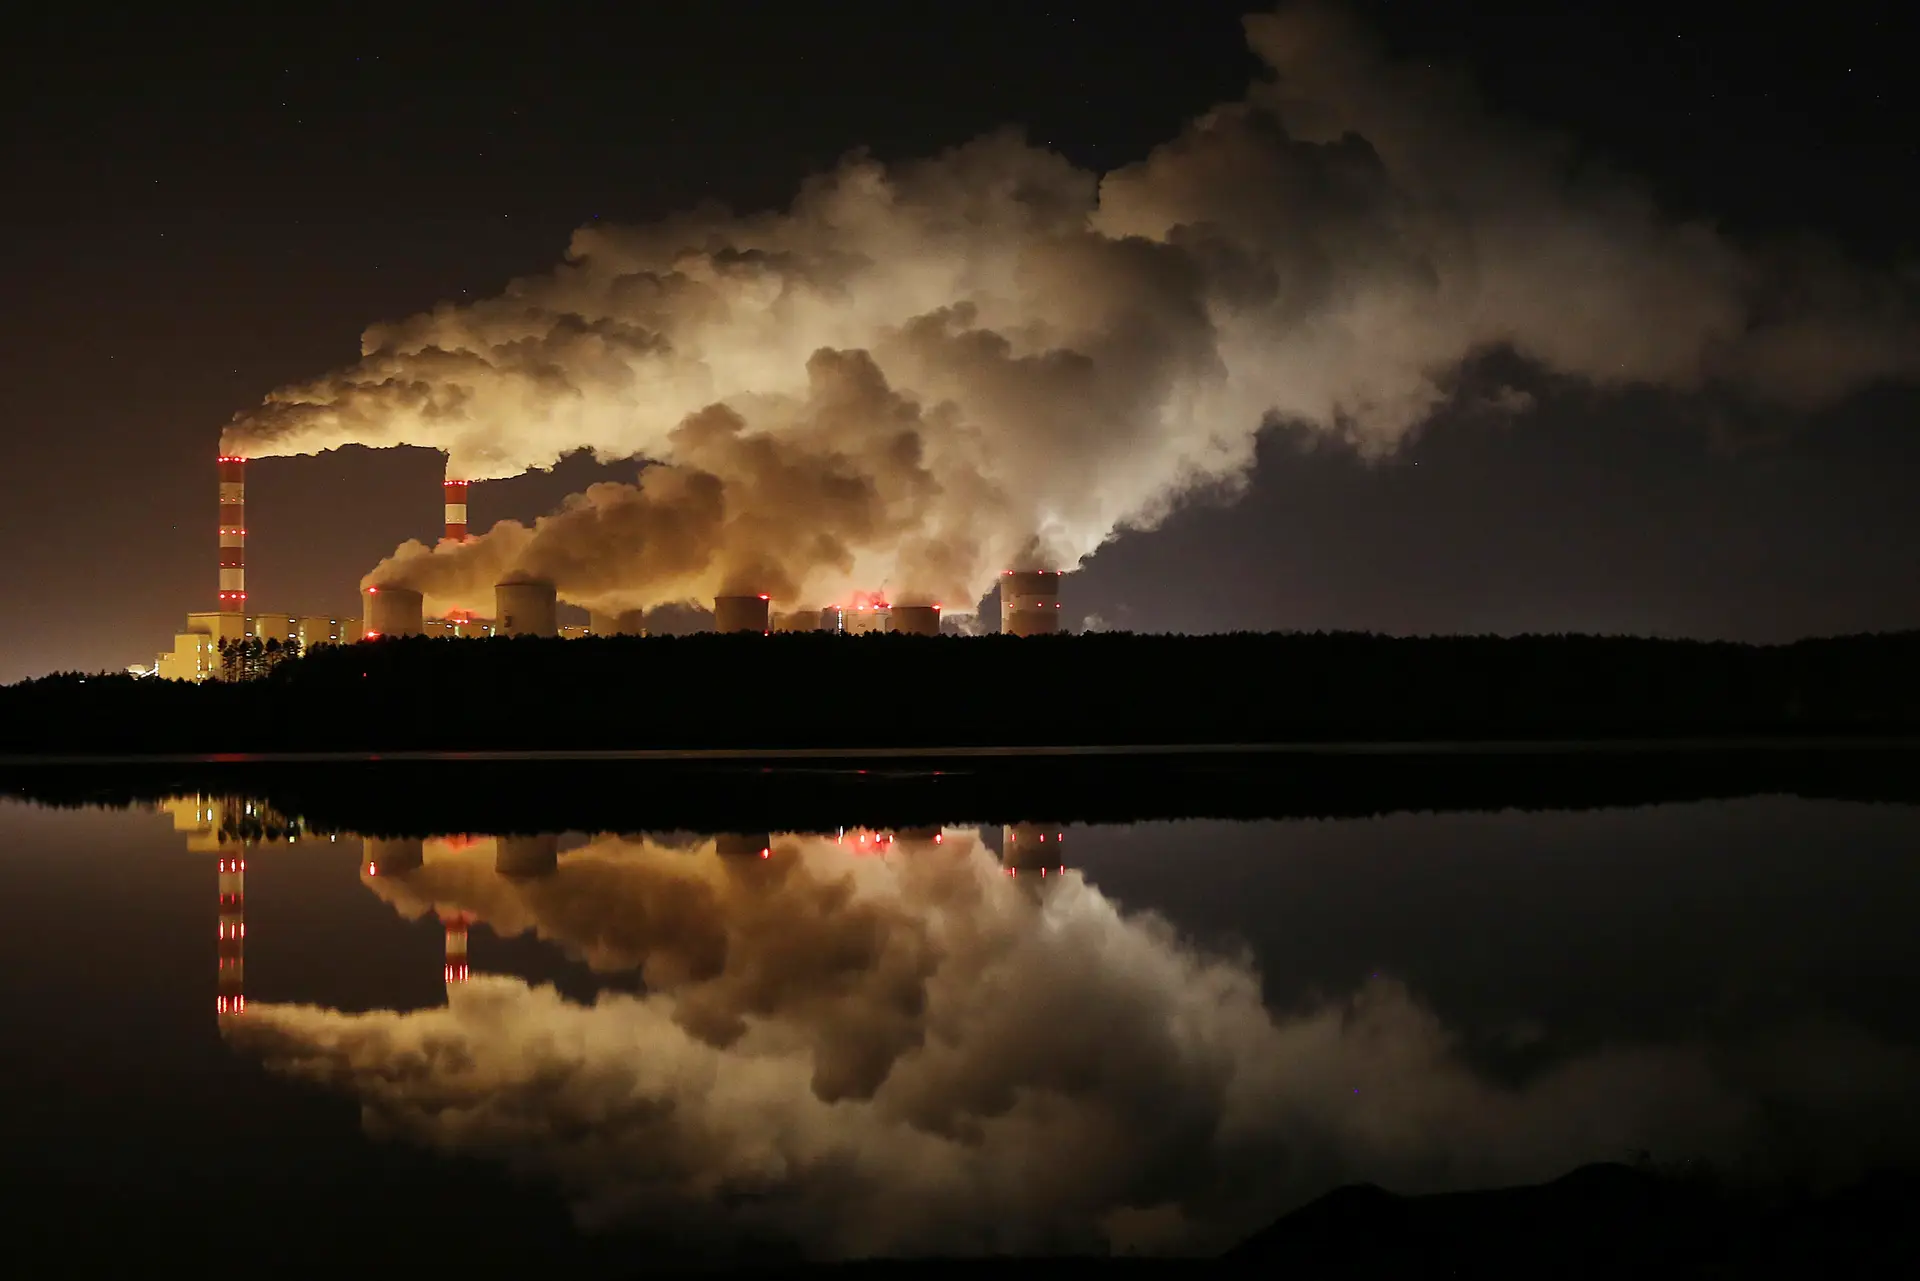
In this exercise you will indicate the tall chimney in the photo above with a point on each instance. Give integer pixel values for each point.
(233, 534)
(455, 492)
(1029, 602)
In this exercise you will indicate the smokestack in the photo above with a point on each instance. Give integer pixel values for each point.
(231, 991)
(1029, 602)
(915, 620)
(233, 534)
(525, 609)
(455, 493)
(741, 614)
(393, 611)
(627, 622)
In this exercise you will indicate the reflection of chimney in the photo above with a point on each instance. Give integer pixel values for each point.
(456, 923)
(741, 614)
(233, 534)
(231, 997)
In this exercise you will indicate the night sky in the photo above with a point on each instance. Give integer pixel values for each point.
(201, 212)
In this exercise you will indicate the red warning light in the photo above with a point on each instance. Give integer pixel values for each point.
(766, 853)
(764, 596)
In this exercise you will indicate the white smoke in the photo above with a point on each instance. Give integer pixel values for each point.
(923, 1054)
(1071, 353)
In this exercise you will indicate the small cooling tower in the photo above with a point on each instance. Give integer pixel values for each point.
(915, 620)
(393, 611)
(525, 609)
(741, 614)
(1029, 602)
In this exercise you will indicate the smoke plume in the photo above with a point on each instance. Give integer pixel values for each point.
(921, 373)
(923, 1054)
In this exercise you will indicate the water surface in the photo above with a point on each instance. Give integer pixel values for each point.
(242, 1042)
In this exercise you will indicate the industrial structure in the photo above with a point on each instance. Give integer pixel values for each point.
(1030, 602)
(742, 614)
(1029, 606)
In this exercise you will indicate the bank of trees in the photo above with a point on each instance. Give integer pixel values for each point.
(814, 690)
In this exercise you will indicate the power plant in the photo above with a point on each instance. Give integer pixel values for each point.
(229, 640)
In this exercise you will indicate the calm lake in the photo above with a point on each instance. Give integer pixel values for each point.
(238, 1042)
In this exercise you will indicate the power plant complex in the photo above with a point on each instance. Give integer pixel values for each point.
(213, 641)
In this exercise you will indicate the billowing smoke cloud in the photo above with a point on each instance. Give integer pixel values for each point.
(922, 1054)
(1071, 352)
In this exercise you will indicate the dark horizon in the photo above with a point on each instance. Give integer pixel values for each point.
(204, 218)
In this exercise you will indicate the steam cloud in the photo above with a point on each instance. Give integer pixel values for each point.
(921, 1054)
(920, 374)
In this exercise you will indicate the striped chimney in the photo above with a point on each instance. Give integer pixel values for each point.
(233, 534)
(231, 991)
(456, 924)
(456, 496)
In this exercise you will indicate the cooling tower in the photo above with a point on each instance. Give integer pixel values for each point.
(1029, 602)
(394, 611)
(831, 618)
(233, 534)
(741, 614)
(627, 622)
(537, 855)
(455, 493)
(524, 609)
(915, 620)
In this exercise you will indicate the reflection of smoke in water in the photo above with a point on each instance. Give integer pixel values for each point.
(916, 1053)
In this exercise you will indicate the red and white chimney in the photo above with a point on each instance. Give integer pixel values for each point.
(456, 923)
(456, 496)
(233, 534)
(231, 997)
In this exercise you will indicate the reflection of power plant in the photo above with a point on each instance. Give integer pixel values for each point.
(1034, 848)
(456, 924)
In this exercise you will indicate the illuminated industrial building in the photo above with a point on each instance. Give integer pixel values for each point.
(1030, 602)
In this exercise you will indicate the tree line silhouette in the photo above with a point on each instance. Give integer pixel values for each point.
(816, 690)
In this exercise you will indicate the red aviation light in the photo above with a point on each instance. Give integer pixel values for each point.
(939, 837)
(764, 596)
(373, 869)
(373, 591)
(766, 853)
